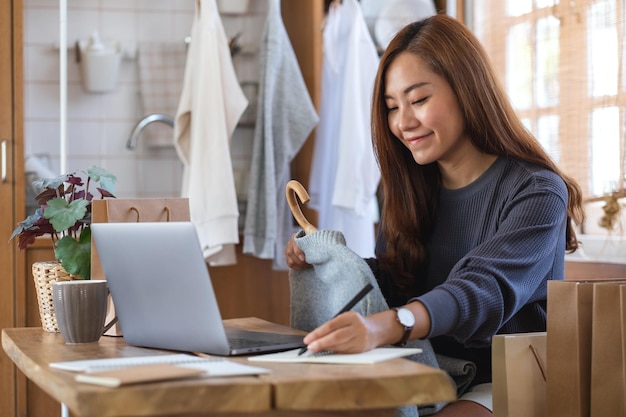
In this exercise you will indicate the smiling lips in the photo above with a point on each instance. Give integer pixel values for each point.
(417, 139)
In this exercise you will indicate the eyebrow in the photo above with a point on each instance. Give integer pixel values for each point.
(410, 88)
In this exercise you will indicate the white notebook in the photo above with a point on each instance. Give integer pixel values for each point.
(213, 366)
(365, 358)
(92, 365)
(138, 374)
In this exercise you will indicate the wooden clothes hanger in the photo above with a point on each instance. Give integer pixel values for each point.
(293, 189)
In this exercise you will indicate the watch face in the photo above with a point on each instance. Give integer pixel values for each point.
(405, 317)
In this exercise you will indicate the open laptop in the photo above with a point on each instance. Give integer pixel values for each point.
(163, 294)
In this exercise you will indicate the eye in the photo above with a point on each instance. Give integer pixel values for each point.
(391, 109)
(420, 101)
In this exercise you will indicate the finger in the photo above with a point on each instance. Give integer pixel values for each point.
(339, 341)
(297, 251)
(295, 256)
(294, 260)
(344, 333)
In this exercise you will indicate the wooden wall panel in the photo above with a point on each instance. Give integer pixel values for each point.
(304, 24)
(11, 189)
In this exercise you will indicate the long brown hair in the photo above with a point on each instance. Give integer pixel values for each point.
(410, 190)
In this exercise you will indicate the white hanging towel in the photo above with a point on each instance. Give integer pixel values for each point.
(285, 118)
(345, 175)
(210, 106)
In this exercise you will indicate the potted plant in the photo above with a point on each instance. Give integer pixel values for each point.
(64, 214)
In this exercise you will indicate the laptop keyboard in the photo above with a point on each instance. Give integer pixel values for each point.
(239, 343)
(247, 342)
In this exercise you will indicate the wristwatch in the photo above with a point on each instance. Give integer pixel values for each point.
(407, 320)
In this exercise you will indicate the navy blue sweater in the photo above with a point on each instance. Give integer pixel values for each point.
(494, 245)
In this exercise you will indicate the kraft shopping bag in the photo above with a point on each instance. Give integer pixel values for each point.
(568, 354)
(607, 375)
(132, 210)
(519, 374)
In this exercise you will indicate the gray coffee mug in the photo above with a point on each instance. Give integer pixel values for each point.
(80, 307)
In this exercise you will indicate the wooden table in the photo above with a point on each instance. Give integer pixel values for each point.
(289, 390)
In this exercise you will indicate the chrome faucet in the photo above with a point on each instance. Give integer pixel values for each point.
(140, 126)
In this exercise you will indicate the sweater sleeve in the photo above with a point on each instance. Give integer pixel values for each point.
(495, 279)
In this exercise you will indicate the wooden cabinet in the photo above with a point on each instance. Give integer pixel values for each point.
(11, 190)
(35, 402)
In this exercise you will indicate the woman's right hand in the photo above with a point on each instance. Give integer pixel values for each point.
(295, 256)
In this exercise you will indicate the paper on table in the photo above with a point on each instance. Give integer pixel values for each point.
(369, 357)
(114, 363)
(166, 371)
(214, 366)
(137, 374)
(226, 368)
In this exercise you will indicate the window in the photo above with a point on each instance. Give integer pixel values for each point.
(563, 66)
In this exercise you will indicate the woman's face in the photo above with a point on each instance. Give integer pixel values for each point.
(423, 112)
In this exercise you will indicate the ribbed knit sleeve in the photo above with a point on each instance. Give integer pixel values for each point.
(495, 245)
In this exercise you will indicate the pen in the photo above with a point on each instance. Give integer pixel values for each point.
(368, 287)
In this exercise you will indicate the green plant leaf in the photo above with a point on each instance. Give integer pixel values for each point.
(27, 224)
(51, 183)
(28, 230)
(75, 255)
(62, 215)
(103, 177)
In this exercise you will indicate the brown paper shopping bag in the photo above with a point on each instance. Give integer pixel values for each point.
(132, 210)
(519, 378)
(607, 368)
(568, 355)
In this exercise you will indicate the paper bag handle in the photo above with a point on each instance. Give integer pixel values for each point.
(166, 209)
(542, 367)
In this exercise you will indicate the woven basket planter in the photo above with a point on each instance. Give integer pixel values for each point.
(45, 274)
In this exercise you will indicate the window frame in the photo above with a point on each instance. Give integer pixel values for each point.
(575, 148)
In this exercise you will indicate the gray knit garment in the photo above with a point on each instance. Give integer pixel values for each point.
(318, 293)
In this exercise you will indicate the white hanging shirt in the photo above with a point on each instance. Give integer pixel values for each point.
(210, 106)
(345, 174)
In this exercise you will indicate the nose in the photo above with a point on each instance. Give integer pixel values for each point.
(407, 119)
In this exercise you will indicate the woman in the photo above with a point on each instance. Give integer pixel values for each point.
(476, 217)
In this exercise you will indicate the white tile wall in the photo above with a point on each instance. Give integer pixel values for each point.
(98, 125)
